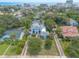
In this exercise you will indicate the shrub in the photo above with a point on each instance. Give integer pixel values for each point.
(14, 42)
(21, 44)
(48, 44)
(34, 46)
(73, 49)
(18, 50)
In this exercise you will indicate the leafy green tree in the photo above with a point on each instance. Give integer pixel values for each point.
(9, 21)
(48, 44)
(2, 29)
(26, 23)
(49, 23)
(34, 46)
(21, 43)
(18, 50)
(73, 49)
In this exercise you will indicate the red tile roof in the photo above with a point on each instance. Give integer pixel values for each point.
(69, 31)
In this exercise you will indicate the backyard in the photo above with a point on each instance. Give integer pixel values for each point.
(46, 47)
(15, 47)
(52, 52)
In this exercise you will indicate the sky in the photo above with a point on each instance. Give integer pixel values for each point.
(36, 1)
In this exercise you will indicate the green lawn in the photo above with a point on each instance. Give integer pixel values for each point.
(71, 48)
(3, 47)
(11, 51)
(65, 45)
(52, 52)
(16, 49)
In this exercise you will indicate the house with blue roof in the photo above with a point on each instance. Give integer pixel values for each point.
(14, 33)
(72, 23)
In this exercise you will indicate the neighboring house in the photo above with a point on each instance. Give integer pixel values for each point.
(15, 34)
(18, 14)
(44, 6)
(69, 31)
(72, 23)
(39, 29)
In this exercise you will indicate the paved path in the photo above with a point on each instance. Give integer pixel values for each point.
(61, 52)
(24, 51)
(39, 56)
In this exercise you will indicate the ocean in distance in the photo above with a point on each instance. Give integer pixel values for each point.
(9, 3)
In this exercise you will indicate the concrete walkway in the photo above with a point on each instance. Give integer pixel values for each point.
(24, 51)
(59, 47)
(39, 56)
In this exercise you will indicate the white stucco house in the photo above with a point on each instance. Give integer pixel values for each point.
(38, 28)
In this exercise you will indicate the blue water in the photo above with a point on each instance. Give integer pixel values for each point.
(9, 3)
(15, 3)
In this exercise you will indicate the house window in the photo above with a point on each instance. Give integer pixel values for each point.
(39, 31)
(33, 31)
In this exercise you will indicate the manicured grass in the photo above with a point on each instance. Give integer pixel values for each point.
(16, 49)
(11, 51)
(65, 45)
(52, 52)
(71, 48)
(3, 47)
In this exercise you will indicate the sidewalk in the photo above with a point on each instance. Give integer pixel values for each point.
(24, 51)
(61, 52)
